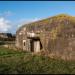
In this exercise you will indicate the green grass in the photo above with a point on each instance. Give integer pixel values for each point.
(17, 62)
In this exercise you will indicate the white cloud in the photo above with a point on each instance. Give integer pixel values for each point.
(26, 21)
(4, 24)
(6, 13)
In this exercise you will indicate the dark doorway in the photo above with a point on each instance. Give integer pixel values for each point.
(35, 44)
(32, 45)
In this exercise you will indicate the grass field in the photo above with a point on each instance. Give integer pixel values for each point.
(17, 62)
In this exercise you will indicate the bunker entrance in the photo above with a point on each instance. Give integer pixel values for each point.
(35, 45)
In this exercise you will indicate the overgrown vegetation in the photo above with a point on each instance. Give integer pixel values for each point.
(17, 62)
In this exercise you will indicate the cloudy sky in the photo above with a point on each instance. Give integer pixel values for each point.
(13, 14)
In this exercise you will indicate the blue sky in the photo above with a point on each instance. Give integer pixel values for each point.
(15, 13)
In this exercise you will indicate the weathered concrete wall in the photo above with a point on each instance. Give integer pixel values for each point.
(56, 38)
